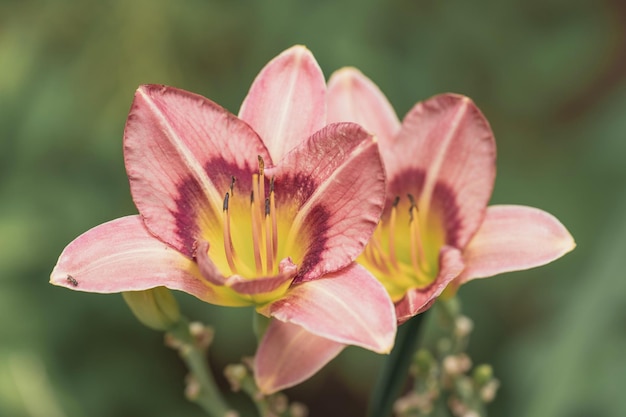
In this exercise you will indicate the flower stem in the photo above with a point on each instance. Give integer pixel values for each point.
(395, 368)
(192, 346)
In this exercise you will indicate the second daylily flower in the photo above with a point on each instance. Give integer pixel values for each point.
(268, 209)
(436, 230)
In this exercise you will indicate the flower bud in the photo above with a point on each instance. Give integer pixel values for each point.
(156, 308)
(483, 374)
(235, 374)
(423, 362)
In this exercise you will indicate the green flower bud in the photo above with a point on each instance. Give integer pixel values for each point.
(483, 374)
(236, 374)
(423, 361)
(156, 308)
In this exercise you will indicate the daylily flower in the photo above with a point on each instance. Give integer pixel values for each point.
(269, 209)
(436, 230)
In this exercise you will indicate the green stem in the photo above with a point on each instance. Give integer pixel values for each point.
(395, 369)
(249, 387)
(208, 397)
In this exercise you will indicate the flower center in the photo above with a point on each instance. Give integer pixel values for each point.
(403, 252)
(263, 231)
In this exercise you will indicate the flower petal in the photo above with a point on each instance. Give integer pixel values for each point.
(418, 300)
(337, 182)
(514, 238)
(349, 306)
(122, 255)
(288, 355)
(445, 154)
(352, 97)
(244, 286)
(181, 151)
(287, 271)
(286, 103)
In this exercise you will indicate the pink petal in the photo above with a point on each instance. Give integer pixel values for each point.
(286, 103)
(349, 306)
(337, 180)
(445, 155)
(181, 150)
(245, 286)
(286, 272)
(288, 355)
(419, 300)
(122, 255)
(352, 97)
(514, 238)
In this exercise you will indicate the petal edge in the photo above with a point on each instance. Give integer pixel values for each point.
(513, 238)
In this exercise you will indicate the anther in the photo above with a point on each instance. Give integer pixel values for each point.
(411, 207)
(261, 165)
(396, 201)
(226, 202)
(232, 184)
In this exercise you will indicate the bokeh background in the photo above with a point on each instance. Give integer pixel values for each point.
(550, 75)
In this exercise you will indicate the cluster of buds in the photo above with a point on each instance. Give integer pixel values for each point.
(443, 375)
(241, 378)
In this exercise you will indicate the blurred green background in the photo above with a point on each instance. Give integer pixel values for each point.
(550, 75)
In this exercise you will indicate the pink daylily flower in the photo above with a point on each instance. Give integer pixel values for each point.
(436, 231)
(269, 209)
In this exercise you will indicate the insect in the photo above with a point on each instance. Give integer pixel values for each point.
(72, 280)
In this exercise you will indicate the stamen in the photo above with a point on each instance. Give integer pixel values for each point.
(418, 258)
(228, 243)
(256, 224)
(274, 220)
(377, 254)
(225, 206)
(261, 165)
(232, 185)
(392, 233)
(413, 230)
(261, 180)
(269, 252)
(264, 226)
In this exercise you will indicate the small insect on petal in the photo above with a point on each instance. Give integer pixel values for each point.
(72, 280)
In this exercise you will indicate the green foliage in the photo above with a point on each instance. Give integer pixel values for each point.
(548, 75)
